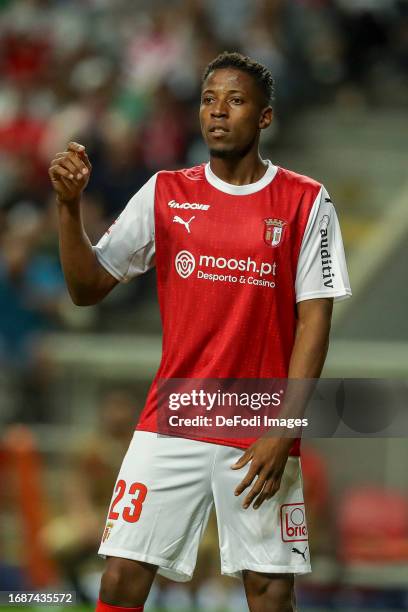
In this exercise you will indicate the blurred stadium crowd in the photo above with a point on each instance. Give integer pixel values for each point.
(123, 78)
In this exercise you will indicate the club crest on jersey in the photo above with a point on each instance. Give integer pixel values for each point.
(106, 532)
(273, 231)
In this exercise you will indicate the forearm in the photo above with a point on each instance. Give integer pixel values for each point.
(307, 359)
(79, 263)
(87, 281)
(311, 345)
(269, 454)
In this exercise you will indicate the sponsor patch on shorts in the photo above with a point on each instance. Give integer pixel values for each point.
(293, 523)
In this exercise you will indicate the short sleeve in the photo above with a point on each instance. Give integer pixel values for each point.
(322, 270)
(127, 249)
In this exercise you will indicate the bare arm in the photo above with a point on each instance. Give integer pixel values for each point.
(312, 338)
(87, 281)
(268, 455)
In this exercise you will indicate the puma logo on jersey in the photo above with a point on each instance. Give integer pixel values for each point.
(188, 205)
(299, 552)
(186, 224)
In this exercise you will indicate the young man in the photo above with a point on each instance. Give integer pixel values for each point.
(236, 217)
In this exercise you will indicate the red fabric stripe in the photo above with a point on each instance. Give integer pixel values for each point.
(103, 607)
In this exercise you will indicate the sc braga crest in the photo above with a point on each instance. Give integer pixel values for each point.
(273, 231)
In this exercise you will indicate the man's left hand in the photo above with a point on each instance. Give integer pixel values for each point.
(268, 457)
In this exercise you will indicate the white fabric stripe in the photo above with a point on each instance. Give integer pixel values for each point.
(321, 258)
(127, 249)
(241, 189)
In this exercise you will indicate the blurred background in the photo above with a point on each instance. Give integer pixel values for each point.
(123, 78)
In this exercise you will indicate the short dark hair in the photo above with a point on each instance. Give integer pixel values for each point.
(259, 72)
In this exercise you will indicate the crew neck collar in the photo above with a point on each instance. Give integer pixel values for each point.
(241, 189)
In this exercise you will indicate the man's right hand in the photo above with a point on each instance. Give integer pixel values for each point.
(69, 173)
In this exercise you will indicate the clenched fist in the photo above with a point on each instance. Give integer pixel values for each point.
(69, 173)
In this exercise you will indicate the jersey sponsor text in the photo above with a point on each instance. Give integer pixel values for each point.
(325, 253)
(188, 205)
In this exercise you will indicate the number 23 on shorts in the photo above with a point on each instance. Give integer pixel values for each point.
(131, 514)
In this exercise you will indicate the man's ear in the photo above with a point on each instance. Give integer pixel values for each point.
(266, 117)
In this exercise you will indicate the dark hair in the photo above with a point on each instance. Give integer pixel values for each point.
(259, 72)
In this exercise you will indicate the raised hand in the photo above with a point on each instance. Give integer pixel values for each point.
(69, 173)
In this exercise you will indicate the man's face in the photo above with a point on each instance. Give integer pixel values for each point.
(232, 112)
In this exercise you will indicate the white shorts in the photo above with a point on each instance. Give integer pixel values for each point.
(163, 497)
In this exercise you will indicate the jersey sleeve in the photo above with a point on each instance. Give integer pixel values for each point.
(322, 270)
(127, 249)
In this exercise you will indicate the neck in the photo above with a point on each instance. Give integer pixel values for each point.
(239, 171)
